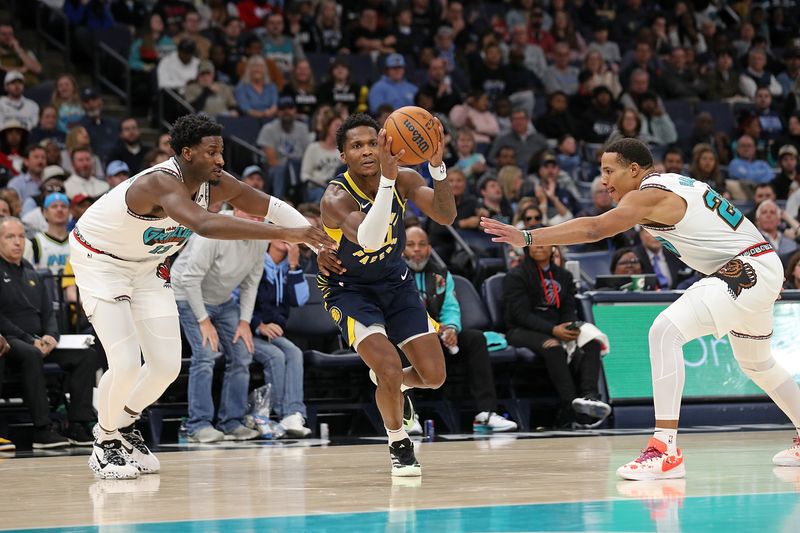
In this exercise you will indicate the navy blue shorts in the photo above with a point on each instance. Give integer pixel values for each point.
(396, 307)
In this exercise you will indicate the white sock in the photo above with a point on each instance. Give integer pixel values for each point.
(668, 437)
(396, 434)
(104, 435)
(125, 419)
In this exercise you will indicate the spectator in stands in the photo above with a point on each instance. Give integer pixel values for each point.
(321, 161)
(790, 77)
(13, 57)
(191, 32)
(151, 47)
(402, 38)
(283, 141)
(567, 156)
(278, 46)
(654, 259)
(793, 273)
(367, 36)
(677, 81)
(254, 177)
(768, 220)
(750, 125)
(28, 184)
(555, 191)
(254, 12)
(53, 179)
(722, 80)
(493, 200)
(537, 34)
(437, 290)
(534, 59)
(745, 167)
(51, 247)
(5, 209)
(116, 172)
(600, 42)
(338, 89)
(601, 74)
(561, 76)
(13, 139)
(229, 47)
(657, 126)
(82, 181)
(785, 183)
(203, 277)
(129, 147)
(755, 76)
(563, 30)
(673, 161)
(210, 96)
(640, 59)
(770, 121)
(47, 128)
(282, 285)
(14, 106)
(442, 87)
(523, 138)
(539, 306)
(132, 13)
(11, 197)
(629, 125)
(475, 115)
(78, 137)
(601, 203)
(28, 322)
(471, 162)
(329, 26)
(557, 121)
(489, 74)
(625, 262)
(178, 68)
(392, 88)
(705, 167)
(102, 130)
(302, 88)
(600, 117)
(512, 182)
(638, 87)
(300, 22)
(745, 41)
(704, 132)
(256, 95)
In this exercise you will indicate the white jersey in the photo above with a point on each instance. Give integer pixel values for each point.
(49, 252)
(711, 233)
(109, 227)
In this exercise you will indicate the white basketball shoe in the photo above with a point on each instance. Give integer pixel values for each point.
(141, 456)
(790, 457)
(655, 462)
(110, 460)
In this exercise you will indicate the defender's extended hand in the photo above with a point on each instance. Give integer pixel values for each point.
(389, 163)
(310, 235)
(503, 232)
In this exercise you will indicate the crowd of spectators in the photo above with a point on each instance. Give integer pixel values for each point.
(528, 91)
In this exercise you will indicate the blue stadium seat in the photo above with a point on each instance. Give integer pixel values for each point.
(245, 128)
(592, 263)
(722, 114)
(320, 62)
(492, 290)
(362, 69)
(474, 316)
(41, 93)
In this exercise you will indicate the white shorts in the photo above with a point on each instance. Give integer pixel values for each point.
(739, 298)
(145, 284)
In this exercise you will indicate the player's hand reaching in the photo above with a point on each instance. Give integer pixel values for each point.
(328, 262)
(389, 163)
(503, 232)
(438, 153)
(314, 237)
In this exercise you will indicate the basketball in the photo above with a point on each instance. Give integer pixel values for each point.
(412, 129)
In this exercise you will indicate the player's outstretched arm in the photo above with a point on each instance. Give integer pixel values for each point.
(635, 207)
(171, 195)
(437, 203)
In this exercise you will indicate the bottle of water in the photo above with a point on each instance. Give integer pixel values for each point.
(452, 349)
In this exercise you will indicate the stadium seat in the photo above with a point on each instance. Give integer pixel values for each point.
(492, 290)
(475, 316)
(320, 62)
(721, 113)
(245, 128)
(41, 93)
(592, 263)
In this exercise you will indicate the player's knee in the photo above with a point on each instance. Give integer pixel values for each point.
(434, 377)
(664, 332)
(165, 369)
(767, 374)
(390, 375)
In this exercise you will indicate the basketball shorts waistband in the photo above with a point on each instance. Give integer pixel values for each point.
(83, 242)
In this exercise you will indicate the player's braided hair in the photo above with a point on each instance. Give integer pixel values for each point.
(630, 150)
(351, 122)
(189, 130)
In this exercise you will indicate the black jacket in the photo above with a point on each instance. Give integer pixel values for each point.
(526, 305)
(26, 308)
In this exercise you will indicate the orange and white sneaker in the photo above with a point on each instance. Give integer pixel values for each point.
(790, 457)
(654, 463)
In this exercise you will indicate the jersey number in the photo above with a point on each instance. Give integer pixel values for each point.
(160, 249)
(724, 209)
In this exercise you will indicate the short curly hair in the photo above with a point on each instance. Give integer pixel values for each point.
(352, 122)
(189, 130)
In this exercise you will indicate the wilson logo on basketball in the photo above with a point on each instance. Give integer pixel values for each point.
(416, 137)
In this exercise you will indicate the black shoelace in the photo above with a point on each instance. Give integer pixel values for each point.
(134, 437)
(112, 452)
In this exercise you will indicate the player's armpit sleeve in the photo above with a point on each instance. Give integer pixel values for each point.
(372, 230)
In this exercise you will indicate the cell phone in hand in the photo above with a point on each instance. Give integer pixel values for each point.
(574, 326)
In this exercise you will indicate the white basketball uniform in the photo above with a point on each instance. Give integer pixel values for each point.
(120, 255)
(49, 252)
(744, 275)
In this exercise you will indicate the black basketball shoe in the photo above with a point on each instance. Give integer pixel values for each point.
(404, 462)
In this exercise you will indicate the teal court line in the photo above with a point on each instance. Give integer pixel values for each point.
(743, 513)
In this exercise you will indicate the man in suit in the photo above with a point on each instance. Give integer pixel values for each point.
(656, 260)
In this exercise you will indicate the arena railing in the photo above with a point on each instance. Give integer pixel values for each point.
(45, 29)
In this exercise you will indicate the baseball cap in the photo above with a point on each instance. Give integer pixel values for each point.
(14, 75)
(547, 158)
(205, 66)
(12, 124)
(116, 167)
(89, 94)
(80, 198)
(444, 31)
(285, 102)
(252, 169)
(787, 149)
(54, 197)
(395, 60)
(53, 171)
(187, 45)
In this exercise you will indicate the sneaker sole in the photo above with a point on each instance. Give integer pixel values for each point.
(592, 410)
(99, 473)
(40, 446)
(676, 473)
(297, 433)
(786, 462)
(7, 448)
(407, 471)
(81, 443)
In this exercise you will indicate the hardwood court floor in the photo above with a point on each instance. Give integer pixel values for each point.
(303, 482)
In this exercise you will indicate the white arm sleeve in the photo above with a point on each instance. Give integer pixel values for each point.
(372, 230)
(282, 214)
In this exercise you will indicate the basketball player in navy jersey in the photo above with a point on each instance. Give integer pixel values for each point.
(743, 279)
(374, 301)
